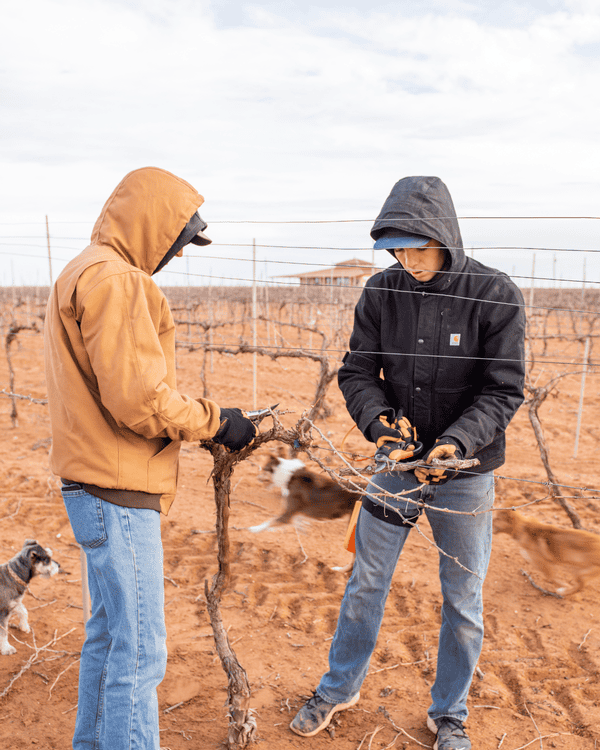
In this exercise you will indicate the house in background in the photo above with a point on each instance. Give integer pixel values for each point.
(352, 272)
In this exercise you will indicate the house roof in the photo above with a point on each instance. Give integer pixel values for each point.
(346, 268)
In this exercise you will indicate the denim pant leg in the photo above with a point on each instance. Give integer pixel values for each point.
(124, 656)
(378, 547)
(468, 539)
(92, 672)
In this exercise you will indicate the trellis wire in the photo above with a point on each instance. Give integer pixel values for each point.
(331, 221)
(359, 456)
(335, 351)
(398, 291)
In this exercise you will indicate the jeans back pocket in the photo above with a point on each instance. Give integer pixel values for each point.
(86, 517)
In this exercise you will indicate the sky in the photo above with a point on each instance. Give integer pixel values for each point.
(300, 112)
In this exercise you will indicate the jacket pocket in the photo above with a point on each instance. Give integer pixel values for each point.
(163, 468)
(458, 342)
(86, 517)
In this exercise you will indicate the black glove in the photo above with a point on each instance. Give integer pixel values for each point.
(389, 430)
(236, 431)
(445, 447)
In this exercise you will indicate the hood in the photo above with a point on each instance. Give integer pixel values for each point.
(423, 206)
(144, 216)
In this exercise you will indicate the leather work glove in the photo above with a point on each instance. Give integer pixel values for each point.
(394, 430)
(445, 447)
(236, 431)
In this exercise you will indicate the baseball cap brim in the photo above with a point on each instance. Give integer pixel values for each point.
(401, 240)
(200, 239)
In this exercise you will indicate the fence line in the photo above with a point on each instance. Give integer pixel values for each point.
(317, 312)
(334, 221)
(307, 289)
(359, 456)
(360, 248)
(395, 291)
(339, 315)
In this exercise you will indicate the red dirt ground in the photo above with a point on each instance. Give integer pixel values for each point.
(539, 681)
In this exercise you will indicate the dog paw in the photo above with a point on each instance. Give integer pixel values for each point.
(260, 527)
(6, 649)
(24, 628)
(342, 568)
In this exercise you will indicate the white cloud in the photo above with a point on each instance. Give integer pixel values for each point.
(298, 111)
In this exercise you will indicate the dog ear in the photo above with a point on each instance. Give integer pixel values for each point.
(281, 451)
(29, 543)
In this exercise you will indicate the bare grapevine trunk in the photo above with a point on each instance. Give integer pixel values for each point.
(11, 337)
(326, 375)
(242, 724)
(538, 396)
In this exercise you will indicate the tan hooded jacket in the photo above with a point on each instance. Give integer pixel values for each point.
(117, 417)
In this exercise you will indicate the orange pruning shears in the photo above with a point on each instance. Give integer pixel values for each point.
(404, 449)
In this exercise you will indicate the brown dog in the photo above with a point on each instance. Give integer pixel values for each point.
(548, 547)
(306, 494)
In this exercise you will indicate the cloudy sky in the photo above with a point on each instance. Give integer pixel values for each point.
(293, 111)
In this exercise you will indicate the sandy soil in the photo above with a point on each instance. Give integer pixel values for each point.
(538, 684)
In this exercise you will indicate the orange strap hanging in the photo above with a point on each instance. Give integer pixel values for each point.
(357, 460)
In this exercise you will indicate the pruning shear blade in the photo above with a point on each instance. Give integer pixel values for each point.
(257, 415)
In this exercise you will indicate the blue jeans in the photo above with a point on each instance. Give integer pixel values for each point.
(124, 656)
(378, 547)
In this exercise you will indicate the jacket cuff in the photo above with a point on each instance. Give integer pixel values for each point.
(371, 416)
(446, 439)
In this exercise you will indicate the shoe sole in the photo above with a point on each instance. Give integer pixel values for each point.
(326, 721)
(432, 726)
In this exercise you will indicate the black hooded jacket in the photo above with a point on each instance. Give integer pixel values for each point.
(447, 353)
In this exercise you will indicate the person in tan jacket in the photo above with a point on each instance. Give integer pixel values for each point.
(118, 421)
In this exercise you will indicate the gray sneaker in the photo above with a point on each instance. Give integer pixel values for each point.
(450, 733)
(316, 714)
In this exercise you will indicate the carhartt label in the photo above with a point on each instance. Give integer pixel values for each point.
(455, 339)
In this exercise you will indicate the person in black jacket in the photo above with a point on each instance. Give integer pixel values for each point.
(437, 347)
